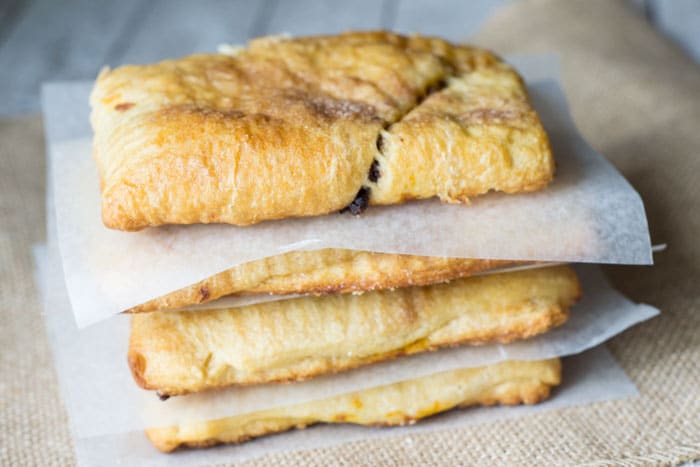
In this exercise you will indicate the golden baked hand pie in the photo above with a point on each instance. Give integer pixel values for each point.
(178, 352)
(511, 382)
(309, 126)
(322, 272)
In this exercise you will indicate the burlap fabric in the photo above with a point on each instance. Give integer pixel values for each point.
(635, 97)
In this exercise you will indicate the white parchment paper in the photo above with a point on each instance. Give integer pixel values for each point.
(106, 410)
(588, 377)
(589, 214)
(102, 398)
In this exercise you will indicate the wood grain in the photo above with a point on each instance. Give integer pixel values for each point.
(46, 40)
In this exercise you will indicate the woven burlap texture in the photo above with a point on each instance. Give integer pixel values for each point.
(637, 100)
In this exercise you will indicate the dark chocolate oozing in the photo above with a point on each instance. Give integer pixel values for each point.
(374, 171)
(360, 202)
(163, 397)
(380, 143)
(435, 87)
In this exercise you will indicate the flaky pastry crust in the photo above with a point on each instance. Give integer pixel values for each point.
(306, 126)
(322, 272)
(509, 383)
(179, 352)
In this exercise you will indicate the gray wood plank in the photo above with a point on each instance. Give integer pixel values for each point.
(301, 17)
(262, 20)
(10, 12)
(680, 20)
(639, 5)
(388, 13)
(49, 40)
(173, 28)
(74, 39)
(53, 40)
(452, 19)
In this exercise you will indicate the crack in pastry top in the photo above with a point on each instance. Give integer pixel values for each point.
(361, 201)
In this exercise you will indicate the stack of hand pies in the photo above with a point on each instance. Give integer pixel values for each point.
(329, 126)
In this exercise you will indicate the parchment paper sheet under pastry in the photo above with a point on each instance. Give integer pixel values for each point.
(102, 398)
(589, 214)
(107, 411)
(589, 377)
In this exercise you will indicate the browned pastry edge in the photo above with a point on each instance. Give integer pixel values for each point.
(534, 395)
(529, 390)
(177, 353)
(318, 272)
(552, 317)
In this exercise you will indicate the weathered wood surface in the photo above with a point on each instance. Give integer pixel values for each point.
(48, 40)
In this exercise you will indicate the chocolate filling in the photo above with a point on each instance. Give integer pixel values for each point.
(380, 143)
(435, 87)
(374, 172)
(360, 202)
(163, 397)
